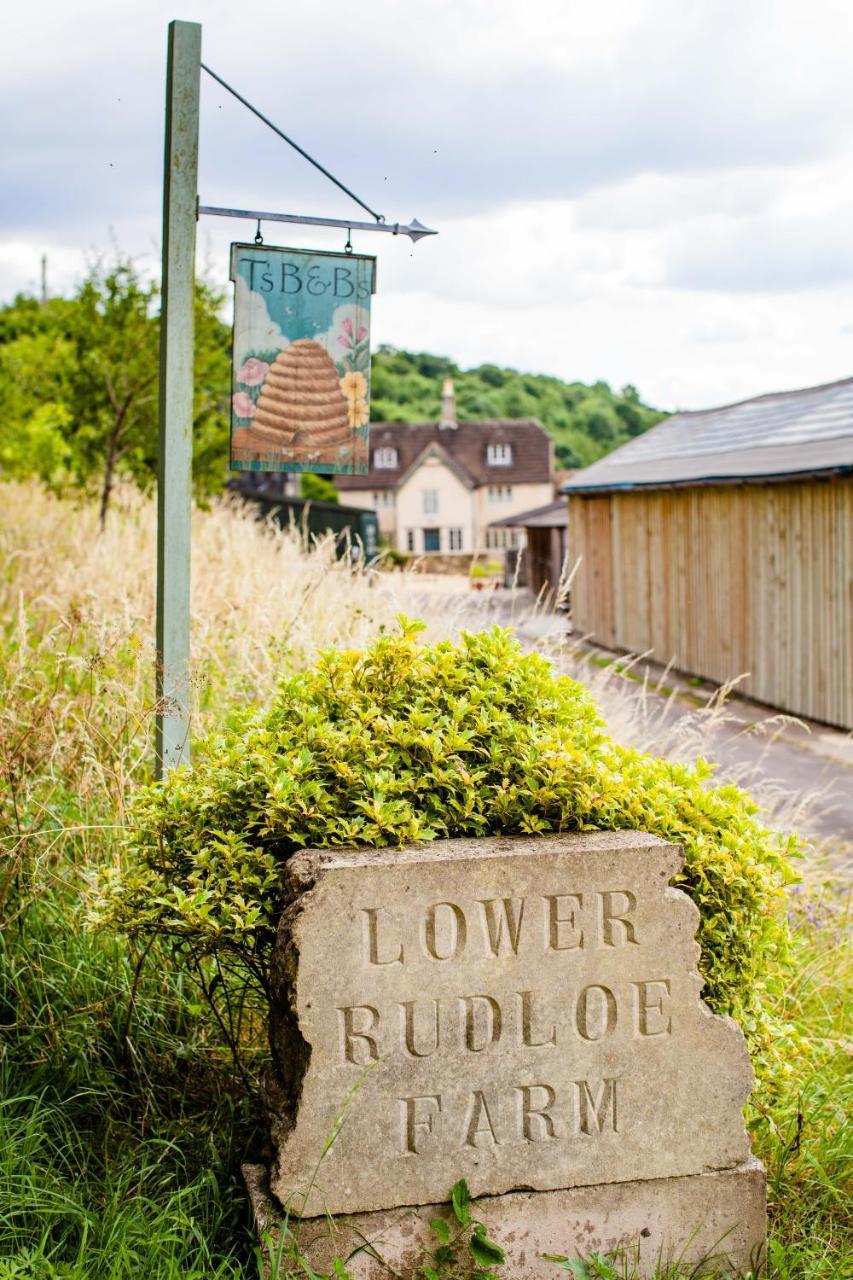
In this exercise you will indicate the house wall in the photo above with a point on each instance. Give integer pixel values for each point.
(727, 580)
(386, 515)
(458, 508)
(524, 497)
(455, 508)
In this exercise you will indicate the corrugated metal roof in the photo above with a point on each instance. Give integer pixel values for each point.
(774, 436)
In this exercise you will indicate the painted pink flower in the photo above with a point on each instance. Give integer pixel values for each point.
(362, 333)
(253, 372)
(345, 342)
(244, 405)
(347, 327)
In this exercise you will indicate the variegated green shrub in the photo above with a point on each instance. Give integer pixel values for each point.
(407, 742)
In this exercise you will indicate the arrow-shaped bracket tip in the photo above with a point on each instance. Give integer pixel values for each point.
(416, 230)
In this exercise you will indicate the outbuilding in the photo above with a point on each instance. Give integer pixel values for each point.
(723, 540)
(543, 550)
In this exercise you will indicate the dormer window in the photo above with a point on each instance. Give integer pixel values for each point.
(499, 455)
(385, 459)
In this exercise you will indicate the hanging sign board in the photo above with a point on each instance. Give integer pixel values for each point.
(301, 375)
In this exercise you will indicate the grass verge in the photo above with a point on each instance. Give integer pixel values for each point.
(122, 1123)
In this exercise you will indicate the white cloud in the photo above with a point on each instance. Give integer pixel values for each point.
(643, 190)
(258, 331)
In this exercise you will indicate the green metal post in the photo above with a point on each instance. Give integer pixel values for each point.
(174, 491)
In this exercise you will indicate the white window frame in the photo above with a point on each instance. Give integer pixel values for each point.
(455, 539)
(410, 541)
(499, 455)
(429, 500)
(385, 459)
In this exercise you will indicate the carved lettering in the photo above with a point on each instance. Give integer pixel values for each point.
(650, 1017)
(407, 1011)
(484, 1030)
(414, 1119)
(527, 1020)
(371, 939)
(502, 915)
(594, 1113)
(614, 913)
(357, 1044)
(534, 1103)
(604, 1022)
(479, 1121)
(452, 935)
(561, 933)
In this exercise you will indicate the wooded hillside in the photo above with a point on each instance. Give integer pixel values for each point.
(78, 390)
(585, 421)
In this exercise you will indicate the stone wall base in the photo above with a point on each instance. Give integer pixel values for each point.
(716, 1217)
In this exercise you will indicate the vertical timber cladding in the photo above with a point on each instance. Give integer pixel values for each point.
(727, 580)
(301, 367)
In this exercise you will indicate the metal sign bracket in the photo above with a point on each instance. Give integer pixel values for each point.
(414, 230)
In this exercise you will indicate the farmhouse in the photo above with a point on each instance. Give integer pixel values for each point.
(437, 486)
(723, 540)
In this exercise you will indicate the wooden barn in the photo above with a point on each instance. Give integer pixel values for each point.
(723, 540)
(543, 550)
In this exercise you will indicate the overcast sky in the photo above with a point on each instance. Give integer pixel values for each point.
(647, 191)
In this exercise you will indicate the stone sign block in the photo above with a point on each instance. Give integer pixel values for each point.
(524, 1013)
(708, 1223)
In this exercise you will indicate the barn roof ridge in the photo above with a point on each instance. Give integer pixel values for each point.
(764, 395)
(774, 436)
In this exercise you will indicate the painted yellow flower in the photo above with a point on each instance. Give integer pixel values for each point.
(354, 388)
(358, 412)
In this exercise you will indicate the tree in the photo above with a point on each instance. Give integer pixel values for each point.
(114, 379)
(584, 421)
(317, 488)
(34, 416)
(79, 385)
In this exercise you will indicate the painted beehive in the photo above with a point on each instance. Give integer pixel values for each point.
(301, 401)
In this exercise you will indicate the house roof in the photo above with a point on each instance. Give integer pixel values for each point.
(554, 515)
(774, 437)
(465, 445)
(437, 449)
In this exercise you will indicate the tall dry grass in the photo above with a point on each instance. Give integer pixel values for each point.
(77, 611)
(123, 1136)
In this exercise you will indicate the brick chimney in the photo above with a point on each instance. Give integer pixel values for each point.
(448, 406)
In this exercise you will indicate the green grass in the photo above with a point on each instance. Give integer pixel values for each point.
(122, 1121)
(801, 1121)
(121, 1132)
(120, 1136)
